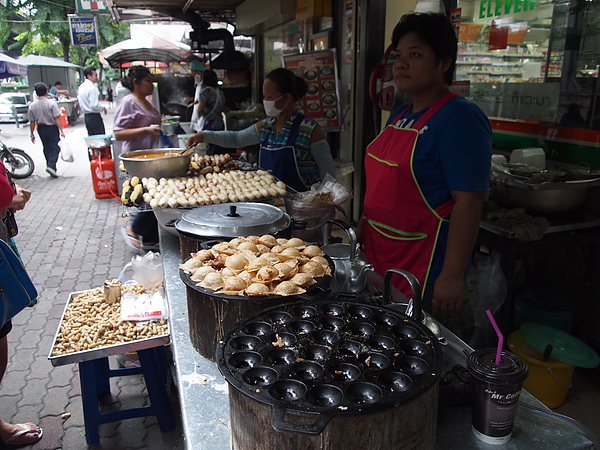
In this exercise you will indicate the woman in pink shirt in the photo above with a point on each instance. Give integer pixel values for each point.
(137, 124)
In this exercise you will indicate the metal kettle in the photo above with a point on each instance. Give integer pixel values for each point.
(350, 272)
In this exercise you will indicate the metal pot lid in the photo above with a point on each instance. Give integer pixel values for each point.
(330, 357)
(233, 219)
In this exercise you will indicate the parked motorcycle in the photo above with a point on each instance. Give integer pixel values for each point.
(18, 163)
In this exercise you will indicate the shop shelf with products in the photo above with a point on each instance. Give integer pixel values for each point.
(515, 63)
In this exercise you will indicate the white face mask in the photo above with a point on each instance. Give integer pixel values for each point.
(198, 79)
(270, 109)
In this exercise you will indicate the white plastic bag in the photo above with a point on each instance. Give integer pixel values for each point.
(143, 307)
(147, 270)
(66, 152)
(488, 283)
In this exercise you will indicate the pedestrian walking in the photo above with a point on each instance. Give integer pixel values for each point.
(88, 96)
(109, 95)
(44, 115)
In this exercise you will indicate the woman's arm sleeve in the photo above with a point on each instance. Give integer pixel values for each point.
(6, 191)
(322, 154)
(233, 139)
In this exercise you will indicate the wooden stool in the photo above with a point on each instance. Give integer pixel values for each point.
(95, 380)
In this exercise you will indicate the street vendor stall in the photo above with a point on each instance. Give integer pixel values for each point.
(50, 70)
(115, 319)
(204, 394)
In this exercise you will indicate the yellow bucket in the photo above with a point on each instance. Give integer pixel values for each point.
(548, 381)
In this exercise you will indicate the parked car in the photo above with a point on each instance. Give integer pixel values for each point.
(18, 99)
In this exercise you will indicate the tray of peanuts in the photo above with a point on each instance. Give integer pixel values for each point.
(91, 326)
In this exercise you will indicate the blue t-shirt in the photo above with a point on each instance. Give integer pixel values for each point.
(453, 153)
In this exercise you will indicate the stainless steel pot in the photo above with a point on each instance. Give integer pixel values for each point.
(542, 198)
(228, 220)
(156, 163)
(233, 220)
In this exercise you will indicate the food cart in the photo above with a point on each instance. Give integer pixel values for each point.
(49, 71)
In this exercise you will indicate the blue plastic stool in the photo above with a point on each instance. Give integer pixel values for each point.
(95, 380)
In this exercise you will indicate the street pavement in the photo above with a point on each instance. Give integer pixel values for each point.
(70, 241)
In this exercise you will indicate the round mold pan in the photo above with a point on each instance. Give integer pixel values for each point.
(334, 356)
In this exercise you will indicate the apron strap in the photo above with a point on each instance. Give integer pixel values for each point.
(434, 108)
(295, 128)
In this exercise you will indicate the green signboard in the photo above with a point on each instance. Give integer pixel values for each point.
(91, 6)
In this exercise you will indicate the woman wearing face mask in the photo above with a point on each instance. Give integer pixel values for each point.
(292, 146)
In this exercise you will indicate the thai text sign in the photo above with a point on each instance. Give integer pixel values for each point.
(84, 31)
(521, 101)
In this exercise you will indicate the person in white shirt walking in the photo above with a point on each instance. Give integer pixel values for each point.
(44, 114)
(89, 102)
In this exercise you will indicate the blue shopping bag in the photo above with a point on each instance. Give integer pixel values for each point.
(16, 288)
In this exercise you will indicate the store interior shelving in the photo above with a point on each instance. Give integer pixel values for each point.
(516, 63)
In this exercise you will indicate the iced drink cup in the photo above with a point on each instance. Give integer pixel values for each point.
(495, 391)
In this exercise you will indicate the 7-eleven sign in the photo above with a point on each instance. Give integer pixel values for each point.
(86, 6)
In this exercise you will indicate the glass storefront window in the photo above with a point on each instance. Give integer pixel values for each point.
(283, 40)
(531, 60)
(504, 41)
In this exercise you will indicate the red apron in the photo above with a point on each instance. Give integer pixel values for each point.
(400, 228)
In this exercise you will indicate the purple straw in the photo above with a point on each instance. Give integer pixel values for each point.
(498, 333)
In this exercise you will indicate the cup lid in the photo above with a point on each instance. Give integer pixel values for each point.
(565, 348)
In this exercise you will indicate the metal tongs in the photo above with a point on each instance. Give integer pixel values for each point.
(187, 150)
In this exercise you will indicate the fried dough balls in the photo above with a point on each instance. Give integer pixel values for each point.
(258, 266)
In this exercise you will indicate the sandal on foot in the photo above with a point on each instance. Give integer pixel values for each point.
(131, 240)
(25, 436)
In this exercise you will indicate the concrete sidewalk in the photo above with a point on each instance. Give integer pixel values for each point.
(70, 241)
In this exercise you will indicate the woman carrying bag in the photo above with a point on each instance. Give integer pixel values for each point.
(12, 198)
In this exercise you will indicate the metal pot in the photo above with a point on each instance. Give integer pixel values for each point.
(331, 374)
(350, 274)
(211, 314)
(156, 163)
(229, 220)
(543, 198)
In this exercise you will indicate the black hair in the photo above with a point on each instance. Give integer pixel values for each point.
(436, 31)
(209, 78)
(40, 89)
(58, 83)
(288, 83)
(88, 71)
(135, 73)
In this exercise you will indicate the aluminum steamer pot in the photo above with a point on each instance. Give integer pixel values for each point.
(229, 220)
(331, 374)
(211, 314)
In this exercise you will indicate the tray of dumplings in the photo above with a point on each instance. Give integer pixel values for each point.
(258, 266)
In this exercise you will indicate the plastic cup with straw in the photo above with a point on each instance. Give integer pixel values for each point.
(495, 389)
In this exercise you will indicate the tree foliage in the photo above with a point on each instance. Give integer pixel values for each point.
(44, 30)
